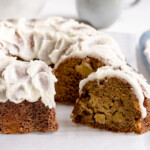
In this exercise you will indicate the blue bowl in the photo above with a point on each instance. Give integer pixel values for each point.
(143, 39)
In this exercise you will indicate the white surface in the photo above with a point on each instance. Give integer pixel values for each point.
(69, 135)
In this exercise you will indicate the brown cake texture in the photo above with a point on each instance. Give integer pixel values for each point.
(69, 73)
(110, 104)
(26, 117)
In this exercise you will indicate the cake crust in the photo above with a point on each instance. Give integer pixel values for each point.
(145, 122)
(26, 117)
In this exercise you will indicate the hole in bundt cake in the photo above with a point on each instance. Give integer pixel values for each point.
(69, 73)
(108, 104)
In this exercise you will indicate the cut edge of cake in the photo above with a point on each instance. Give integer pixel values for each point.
(100, 109)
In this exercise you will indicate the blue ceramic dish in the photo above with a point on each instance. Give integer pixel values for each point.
(143, 39)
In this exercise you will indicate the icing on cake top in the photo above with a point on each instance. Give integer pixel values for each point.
(26, 81)
(54, 38)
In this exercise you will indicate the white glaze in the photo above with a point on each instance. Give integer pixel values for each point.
(28, 81)
(48, 39)
(127, 74)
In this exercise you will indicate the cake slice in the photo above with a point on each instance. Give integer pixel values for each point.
(92, 53)
(115, 99)
(26, 96)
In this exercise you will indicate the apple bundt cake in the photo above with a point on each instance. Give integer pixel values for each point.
(72, 49)
(115, 99)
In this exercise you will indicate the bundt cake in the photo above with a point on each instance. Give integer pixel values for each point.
(26, 96)
(115, 99)
(112, 95)
(74, 50)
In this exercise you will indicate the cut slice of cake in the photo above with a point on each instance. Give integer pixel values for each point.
(115, 99)
(26, 96)
(90, 54)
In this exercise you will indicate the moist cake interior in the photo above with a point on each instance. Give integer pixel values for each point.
(26, 117)
(108, 104)
(69, 73)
